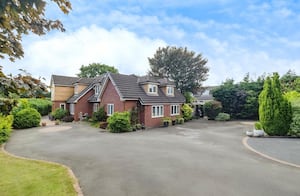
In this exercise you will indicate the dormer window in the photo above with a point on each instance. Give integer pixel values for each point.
(97, 89)
(170, 90)
(152, 89)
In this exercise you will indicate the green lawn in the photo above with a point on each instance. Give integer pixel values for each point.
(26, 177)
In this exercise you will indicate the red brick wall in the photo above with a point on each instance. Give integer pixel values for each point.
(56, 104)
(83, 106)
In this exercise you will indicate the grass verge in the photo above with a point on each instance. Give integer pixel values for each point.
(30, 177)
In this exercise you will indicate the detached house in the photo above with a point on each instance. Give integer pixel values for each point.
(152, 97)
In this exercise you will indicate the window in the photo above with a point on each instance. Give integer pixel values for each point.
(62, 106)
(95, 107)
(174, 110)
(76, 89)
(72, 108)
(97, 89)
(110, 109)
(158, 111)
(170, 90)
(152, 88)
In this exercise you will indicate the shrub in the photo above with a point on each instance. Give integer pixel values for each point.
(68, 119)
(295, 126)
(212, 109)
(6, 105)
(275, 112)
(119, 122)
(166, 121)
(22, 104)
(27, 118)
(100, 115)
(5, 127)
(258, 126)
(43, 106)
(179, 120)
(59, 114)
(222, 117)
(187, 112)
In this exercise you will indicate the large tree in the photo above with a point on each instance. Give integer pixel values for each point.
(95, 69)
(19, 17)
(186, 68)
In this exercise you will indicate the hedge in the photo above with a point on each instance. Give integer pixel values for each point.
(27, 118)
(43, 106)
(5, 127)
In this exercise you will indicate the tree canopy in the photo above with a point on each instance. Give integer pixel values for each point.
(95, 69)
(186, 68)
(19, 17)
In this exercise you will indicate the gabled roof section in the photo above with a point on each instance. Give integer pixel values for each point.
(85, 81)
(129, 87)
(63, 80)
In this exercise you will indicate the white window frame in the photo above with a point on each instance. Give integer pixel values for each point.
(95, 107)
(62, 106)
(174, 110)
(97, 89)
(157, 111)
(110, 109)
(72, 108)
(170, 90)
(152, 88)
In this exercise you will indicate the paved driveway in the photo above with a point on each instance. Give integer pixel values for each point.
(197, 158)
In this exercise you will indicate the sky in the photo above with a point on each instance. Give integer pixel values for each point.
(236, 37)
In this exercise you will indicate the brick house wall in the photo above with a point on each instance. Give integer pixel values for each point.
(56, 104)
(83, 105)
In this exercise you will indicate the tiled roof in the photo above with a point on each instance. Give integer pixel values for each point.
(85, 80)
(130, 88)
(64, 80)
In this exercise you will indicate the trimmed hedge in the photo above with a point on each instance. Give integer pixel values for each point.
(5, 127)
(43, 106)
(119, 122)
(27, 118)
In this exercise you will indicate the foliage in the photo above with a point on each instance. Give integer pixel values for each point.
(240, 100)
(95, 69)
(5, 127)
(119, 122)
(59, 113)
(186, 68)
(290, 82)
(28, 177)
(21, 17)
(27, 118)
(100, 115)
(275, 111)
(179, 120)
(295, 126)
(22, 104)
(43, 106)
(23, 85)
(258, 126)
(222, 117)
(134, 116)
(6, 105)
(166, 121)
(68, 118)
(212, 109)
(187, 112)
(188, 97)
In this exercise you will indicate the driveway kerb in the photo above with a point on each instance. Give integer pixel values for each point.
(245, 142)
(70, 172)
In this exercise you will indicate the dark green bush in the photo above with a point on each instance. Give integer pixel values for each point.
(187, 112)
(59, 114)
(222, 117)
(100, 115)
(27, 118)
(119, 122)
(43, 106)
(5, 127)
(212, 109)
(295, 126)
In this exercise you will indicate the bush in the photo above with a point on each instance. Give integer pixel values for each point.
(59, 114)
(295, 126)
(179, 120)
(27, 118)
(187, 112)
(6, 105)
(100, 115)
(43, 106)
(5, 127)
(22, 104)
(212, 109)
(258, 126)
(119, 122)
(68, 119)
(222, 117)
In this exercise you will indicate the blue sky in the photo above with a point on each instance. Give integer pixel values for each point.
(235, 36)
